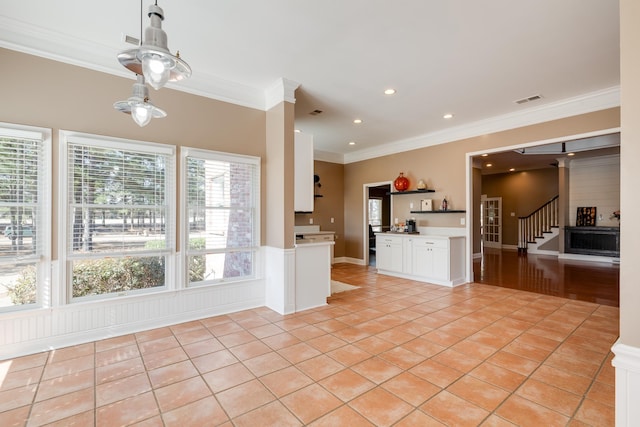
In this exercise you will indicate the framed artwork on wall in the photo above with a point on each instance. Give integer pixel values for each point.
(586, 217)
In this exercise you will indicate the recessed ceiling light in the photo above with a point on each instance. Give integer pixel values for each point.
(297, 131)
(448, 116)
(389, 91)
(512, 169)
(571, 154)
(489, 165)
(352, 143)
(357, 121)
(485, 155)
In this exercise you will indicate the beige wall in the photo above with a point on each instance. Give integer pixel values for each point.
(280, 176)
(629, 172)
(443, 167)
(44, 93)
(595, 182)
(330, 205)
(522, 193)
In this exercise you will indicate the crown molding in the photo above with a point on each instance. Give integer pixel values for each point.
(587, 103)
(38, 41)
(282, 90)
(328, 156)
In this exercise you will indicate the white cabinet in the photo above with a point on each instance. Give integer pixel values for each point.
(433, 259)
(313, 275)
(303, 173)
(389, 251)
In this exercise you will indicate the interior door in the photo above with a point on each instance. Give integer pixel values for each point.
(491, 222)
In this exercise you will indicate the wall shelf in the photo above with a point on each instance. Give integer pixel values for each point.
(439, 211)
(396, 193)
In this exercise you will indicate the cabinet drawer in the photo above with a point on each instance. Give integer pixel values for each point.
(432, 243)
(389, 240)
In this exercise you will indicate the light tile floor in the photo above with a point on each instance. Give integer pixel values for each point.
(394, 352)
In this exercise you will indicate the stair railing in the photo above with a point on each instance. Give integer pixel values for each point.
(537, 223)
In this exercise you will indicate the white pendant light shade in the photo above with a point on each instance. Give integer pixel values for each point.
(152, 58)
(138, 105)
(141, 114)
(155, 70)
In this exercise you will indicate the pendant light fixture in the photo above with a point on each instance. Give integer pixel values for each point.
(138, 105)
(152, 58)
(151, 62)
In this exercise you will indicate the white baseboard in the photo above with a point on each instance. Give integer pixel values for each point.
(590, 258)
(627, 364)
(349, 260)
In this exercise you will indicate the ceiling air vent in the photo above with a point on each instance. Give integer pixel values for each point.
(528, 99)
(130, 40)
(315, 112)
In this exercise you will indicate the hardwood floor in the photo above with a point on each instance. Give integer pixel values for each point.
(545, 274)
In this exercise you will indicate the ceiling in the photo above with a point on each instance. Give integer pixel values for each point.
(468, 58)
(547, 155)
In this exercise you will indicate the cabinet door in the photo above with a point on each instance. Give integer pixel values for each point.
(396, 256)
(440, 266)
(422, 258)
(389, 253)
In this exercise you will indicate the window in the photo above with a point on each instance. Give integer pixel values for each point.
(119, 215)
(221, 199)
(24, 216)
(375, 214)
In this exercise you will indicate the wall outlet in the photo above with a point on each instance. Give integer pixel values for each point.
(310, 220)
(462, 221)
(411, 205)
(513, 214)
(332, 220)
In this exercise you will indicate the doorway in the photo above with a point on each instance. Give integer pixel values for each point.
(377, 219)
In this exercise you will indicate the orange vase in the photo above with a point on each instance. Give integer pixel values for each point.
(401, 183)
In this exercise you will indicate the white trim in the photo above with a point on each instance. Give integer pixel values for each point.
(41, 260)
(65, 293)
(627, 365)
(509, 247)
(626, 357)
(282, 90)
(326, 156)
(28, 332)
(73, 137)
(38, 41)
(349, 260)
(280, 279)
(469, 186)
(218, 156)
(25, 132)
(365, 216)
(589, 258)
(587, 103)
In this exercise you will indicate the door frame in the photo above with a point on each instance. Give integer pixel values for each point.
(365, 215)
(469, 160)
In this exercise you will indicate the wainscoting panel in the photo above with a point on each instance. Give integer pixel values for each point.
(44, 329)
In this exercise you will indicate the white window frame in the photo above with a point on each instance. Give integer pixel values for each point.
(43, 257)
(66, 137)
(185, 153)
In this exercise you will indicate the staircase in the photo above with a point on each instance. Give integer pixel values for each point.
(538, 229)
